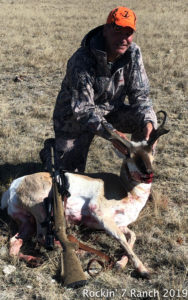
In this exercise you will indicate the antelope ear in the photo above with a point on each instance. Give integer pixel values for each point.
(115, 136)
(122, 149)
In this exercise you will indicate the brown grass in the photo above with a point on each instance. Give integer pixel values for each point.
(37, 38)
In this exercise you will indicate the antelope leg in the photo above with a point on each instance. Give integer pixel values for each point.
(110, 226)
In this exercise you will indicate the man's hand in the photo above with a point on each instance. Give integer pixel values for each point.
(147, 130)
(121, 134)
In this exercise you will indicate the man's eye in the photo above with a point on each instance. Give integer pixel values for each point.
(117, 28)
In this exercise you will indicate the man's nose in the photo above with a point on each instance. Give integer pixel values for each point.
(128, 38)
(125, 38)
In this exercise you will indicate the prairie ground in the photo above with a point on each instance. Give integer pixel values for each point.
(37, 38)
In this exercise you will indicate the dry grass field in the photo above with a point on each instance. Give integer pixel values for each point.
(37, 38)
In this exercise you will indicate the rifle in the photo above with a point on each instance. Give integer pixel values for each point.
(71, 270)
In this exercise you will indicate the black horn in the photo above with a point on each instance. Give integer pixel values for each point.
(160, 130)
(165, 117)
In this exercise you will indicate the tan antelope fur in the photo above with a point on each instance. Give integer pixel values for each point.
(104, 201)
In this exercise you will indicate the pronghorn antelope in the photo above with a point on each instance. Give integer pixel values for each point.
(103, 201)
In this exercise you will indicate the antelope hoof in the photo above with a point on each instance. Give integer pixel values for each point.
(144, 274)
(121, 264)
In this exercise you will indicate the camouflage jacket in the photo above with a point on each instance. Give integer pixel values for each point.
(92, 88)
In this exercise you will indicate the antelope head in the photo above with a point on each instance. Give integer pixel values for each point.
(138, 156)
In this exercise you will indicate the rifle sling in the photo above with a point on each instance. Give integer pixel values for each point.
(108, 259)
(63, 188)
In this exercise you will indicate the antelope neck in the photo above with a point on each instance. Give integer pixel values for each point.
(139, 179)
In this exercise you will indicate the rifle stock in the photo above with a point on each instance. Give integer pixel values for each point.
(71, 270)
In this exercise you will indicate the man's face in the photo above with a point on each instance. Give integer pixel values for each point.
(118, 39)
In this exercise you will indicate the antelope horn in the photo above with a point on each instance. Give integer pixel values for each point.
(160, 130)
(165, 117)
(115, 136)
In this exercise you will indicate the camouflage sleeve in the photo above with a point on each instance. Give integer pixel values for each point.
(83, 106)
(138, 91)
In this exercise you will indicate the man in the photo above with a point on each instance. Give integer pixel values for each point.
(100, 74)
